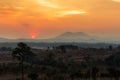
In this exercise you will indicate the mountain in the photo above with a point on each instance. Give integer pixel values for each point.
(4, 40)
(74, 37)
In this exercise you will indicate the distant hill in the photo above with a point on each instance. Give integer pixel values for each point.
(74, 37)
(4, 40)
(71, 35)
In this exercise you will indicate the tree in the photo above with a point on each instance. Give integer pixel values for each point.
(33, 76)
(21, 52)
(50, 59)
(94, 72)
(63, 48)
(113, 60)
(113, 72)
(110, 47)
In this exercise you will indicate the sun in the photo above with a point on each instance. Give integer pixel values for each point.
(33, 35)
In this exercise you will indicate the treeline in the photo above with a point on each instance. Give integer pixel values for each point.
(55, 44)
(6, 49)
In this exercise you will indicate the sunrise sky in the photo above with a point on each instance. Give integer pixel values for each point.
(48, 18)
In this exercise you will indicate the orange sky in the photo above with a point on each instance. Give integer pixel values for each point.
(48, 18)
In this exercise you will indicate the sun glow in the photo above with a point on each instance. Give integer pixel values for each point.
(33, 35)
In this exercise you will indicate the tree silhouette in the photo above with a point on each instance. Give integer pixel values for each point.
(110, 47)
(21, 52)
(113, 72)
(94, 72)
(63, 49)
(33, 76)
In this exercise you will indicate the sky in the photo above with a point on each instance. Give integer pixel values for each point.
(48, 18)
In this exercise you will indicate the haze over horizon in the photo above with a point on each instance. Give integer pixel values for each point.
(49, 18)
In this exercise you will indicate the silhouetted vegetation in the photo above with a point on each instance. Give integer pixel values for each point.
(22, 53)
(65, 62)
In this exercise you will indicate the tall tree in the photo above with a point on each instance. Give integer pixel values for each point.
(33, 76)
(21, 53)
(94, 72)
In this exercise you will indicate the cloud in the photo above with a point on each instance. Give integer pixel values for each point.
(10, 9)
(54, 8)
(48, 3)
(70, 12)
(116, 0)
(36, 8)
(26, 25)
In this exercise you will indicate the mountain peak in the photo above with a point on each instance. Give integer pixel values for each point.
(73, 36)
(68, 34)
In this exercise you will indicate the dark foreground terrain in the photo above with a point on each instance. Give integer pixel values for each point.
(65, 62)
